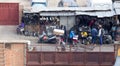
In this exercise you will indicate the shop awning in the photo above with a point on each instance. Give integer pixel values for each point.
(57, 13)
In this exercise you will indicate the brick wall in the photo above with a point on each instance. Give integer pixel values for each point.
(15, 55)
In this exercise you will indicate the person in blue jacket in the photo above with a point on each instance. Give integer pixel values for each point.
(71, 35)
(94, 34)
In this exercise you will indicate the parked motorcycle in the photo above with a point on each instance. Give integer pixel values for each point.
(44, 38)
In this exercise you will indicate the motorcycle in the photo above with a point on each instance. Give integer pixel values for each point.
(44, 38)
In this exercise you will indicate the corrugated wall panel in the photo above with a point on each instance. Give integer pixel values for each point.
(9, 13)
(36, 58)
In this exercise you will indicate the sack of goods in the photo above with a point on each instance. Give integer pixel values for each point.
(84, 34)
(75, 37)
(58, 32)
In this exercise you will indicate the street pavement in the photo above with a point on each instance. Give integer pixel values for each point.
(8, 33)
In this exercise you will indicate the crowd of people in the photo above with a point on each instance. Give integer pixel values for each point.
(95, 31)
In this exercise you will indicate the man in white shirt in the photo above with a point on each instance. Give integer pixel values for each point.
(100, 34)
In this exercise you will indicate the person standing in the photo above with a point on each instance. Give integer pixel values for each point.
(94, 34)
(113, 32)
(71, 35)
(100, 34)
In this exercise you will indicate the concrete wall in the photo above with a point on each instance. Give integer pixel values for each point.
(67, 21)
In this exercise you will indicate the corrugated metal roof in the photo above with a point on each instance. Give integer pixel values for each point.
(117, 10)
(105, 14)
(86, 13)
(117, 4)
(69, 8)
(39, 1)
(95, 13)
(117, 7)
(57, 13)
(98, 13)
